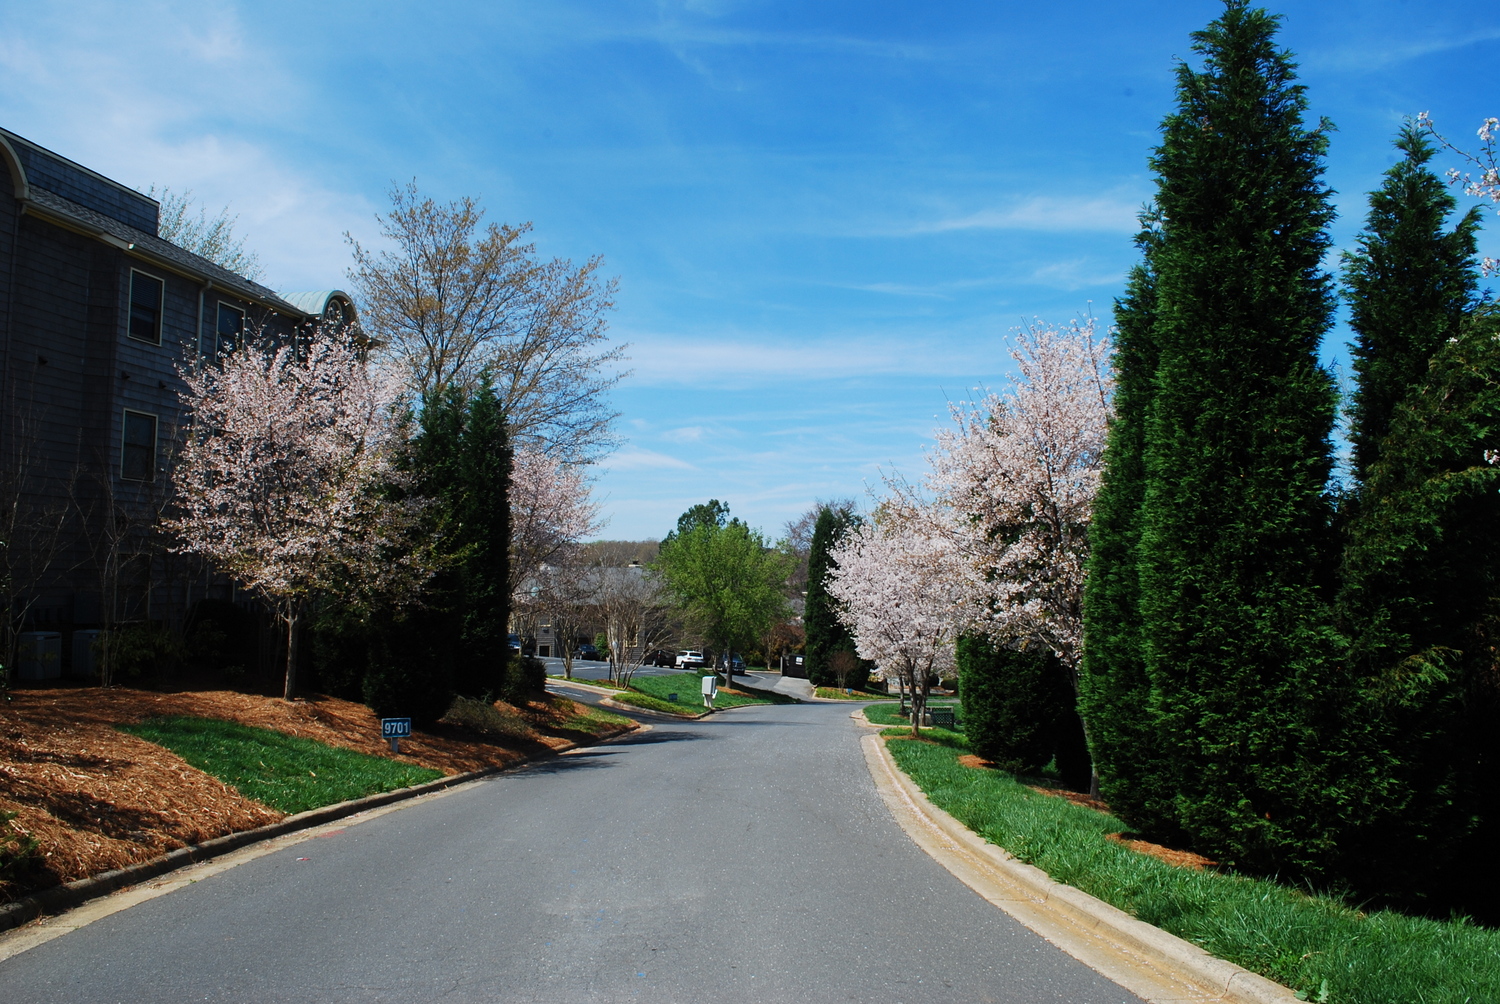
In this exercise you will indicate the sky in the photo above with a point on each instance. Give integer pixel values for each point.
(826, 218)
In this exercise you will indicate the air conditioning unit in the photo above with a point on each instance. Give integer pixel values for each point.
(39, 656)
(85, 658)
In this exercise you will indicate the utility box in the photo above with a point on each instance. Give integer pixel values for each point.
(39, 656)
(85, 659)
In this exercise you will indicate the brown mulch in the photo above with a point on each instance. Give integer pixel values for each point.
(1182, 859)
(97, 798)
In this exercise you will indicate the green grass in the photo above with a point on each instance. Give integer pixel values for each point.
(282, 771)
(837, 694)
(605, 684)
(689, 695)
(593, 721)
(1316, 945)
(885, 714)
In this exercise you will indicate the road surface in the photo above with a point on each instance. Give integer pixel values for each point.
(745, 857)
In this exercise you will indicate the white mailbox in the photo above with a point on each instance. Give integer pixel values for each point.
(710, 690)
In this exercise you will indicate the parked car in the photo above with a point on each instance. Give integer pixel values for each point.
(690, 659)
(660, 657)
(736, 664)
(515, 644)
(587, 651)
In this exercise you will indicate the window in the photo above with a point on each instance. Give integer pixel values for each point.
(138, 447)
(145, 307)
(230, 327)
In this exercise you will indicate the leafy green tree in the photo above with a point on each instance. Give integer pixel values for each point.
(1410, 284)
(826, 634)
(1234, 540)
(724, 577)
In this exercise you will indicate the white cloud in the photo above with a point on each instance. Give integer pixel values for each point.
(686, 434)
(184, 98)
(633, 458)
(1044, 213)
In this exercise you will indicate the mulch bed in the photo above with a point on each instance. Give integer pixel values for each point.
(97, 798)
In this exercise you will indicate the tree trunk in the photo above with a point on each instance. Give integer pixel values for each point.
(292, 611)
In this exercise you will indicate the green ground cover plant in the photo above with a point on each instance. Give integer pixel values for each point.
(1319, 946)
(285, 772)
(605, 684)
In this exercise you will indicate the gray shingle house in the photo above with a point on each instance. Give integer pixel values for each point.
(96, 313)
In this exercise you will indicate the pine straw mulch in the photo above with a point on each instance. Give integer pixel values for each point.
(1172, 856)
(96, 798)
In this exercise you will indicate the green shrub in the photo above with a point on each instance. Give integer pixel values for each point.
(17, 850)
(525, 678)
(1014, 703)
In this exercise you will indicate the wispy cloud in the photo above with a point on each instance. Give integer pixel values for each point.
(152, 96)
(633, 458)
(1392, 49)
(1043, 213)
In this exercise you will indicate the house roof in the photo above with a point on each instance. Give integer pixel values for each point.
(145, 245)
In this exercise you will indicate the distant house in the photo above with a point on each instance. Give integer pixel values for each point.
(96, 314)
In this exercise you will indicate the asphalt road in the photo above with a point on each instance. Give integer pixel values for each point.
(746, 857)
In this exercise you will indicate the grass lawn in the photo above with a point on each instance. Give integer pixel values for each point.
(592, 721)
(689, 695)
(282, 771)
(885, 714)
(1316, 945)
(606, 684)
(837, 694)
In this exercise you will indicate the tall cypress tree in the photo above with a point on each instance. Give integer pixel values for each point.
(1409, 284)
(1421, 600)
(1114, 691)
(483, 528)
(826, 634)
(1234, 519)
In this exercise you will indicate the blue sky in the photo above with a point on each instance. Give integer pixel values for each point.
(826, 218)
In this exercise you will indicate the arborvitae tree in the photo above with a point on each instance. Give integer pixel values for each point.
(1410, 283)
(1234, 521)
(483, 529)
(826, 634)
(1421, 599)
(1014, 703)
(1114, 691)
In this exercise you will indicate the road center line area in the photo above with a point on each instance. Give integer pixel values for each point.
(744, 857)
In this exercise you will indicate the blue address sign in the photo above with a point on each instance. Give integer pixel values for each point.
(395, 728)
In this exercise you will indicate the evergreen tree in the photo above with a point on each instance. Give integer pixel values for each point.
(1114, 691)
(826, 634)
(1421, 599)
(483, 528)
(1410, 283)
(1015, 703)
(1234, 520)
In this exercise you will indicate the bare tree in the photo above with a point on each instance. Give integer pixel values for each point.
(213, 239)
(32, 520)
(562, 594)
(637, 618)
(450, 304)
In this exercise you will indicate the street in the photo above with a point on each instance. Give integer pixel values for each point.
(745, 857)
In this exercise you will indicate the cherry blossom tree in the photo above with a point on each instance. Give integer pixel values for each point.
(287, 480)
(906, 596)
(1486, 183)
(1013, 488)
(550, 510)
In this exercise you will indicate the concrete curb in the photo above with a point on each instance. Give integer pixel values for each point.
(1146, 960)
(71, 894)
